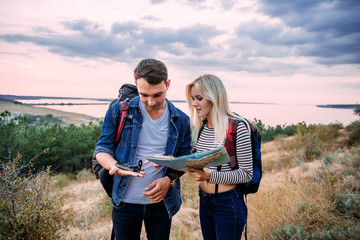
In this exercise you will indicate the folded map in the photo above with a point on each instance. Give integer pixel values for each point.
(197, 160)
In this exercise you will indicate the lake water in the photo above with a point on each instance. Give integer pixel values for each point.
(270, 114)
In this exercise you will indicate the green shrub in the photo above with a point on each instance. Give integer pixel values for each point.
(28, 209)
(327, 160)
(268, 133)
(354, 132)
(299, 232)
(348, 204)
(69, 148)
(290, 232)
(85, 175)
(340, 232)
(354, 128)
(316, 140)
(62, 180)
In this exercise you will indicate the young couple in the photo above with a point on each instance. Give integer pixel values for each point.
(157, 127)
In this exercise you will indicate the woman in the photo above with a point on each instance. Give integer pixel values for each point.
(222, 211)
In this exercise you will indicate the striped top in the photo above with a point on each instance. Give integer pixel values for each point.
(226, 175)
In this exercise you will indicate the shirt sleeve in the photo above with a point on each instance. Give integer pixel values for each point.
(244, 158)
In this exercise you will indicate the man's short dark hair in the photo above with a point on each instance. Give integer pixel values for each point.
(152, 70)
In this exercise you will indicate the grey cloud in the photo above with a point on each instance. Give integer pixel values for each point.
(306, 30)
(89, 40)
(189, 36)
(42, 29)
(157, 1)
(225, 4)
(228, 4)
(334, 51)
(273, 34)
(328, 31)
(237, 64)
(196, 1)
(81, 25)
(339, 16)
(126, 27)
(151, 18)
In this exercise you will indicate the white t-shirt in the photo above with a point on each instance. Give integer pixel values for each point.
(152, 141)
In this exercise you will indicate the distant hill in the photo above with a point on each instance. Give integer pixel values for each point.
(345, 106)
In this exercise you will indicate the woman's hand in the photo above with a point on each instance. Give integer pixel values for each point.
(198, 174)
(157, 166)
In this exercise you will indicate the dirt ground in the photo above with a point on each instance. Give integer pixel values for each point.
(67, 117)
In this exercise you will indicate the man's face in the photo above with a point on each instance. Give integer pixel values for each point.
(152, 96)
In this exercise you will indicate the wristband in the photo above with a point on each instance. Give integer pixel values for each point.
(172, 176)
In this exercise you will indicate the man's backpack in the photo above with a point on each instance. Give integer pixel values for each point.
(230, 145)
(126, 93)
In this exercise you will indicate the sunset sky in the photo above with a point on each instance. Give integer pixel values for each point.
(275, 51)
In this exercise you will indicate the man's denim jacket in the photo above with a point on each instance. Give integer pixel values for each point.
(179, 140)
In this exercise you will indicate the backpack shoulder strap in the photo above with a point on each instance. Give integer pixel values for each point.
(124, 109)
(230, 142)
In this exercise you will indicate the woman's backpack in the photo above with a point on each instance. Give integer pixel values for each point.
(230, 145)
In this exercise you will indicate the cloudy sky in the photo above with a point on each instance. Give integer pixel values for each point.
(278, 51)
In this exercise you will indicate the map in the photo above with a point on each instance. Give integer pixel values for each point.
(199, 160)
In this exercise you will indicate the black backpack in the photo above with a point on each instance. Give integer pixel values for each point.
(126, 93)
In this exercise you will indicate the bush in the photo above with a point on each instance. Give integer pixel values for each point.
(348, 204)
(354, 128)
(28, 208)
(288, 231)
(269, 133)
(313, 141)
(68, 148)
(354, 132)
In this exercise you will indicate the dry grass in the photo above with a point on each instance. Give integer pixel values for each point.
(291, 192)
(303, 193)
(283, 199)
(92, 210)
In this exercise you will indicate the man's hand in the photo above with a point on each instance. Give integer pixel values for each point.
(157, 190)
(121, 172)
(198, 174)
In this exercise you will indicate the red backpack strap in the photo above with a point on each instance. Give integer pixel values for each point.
(124, 109)
(230, 142)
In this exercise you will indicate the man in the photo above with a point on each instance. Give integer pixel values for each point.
(155, 127)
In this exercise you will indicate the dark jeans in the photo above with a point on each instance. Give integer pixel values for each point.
(128, 218)
(222, 216)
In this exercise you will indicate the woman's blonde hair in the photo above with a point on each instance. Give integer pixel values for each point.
(211, 88)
